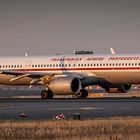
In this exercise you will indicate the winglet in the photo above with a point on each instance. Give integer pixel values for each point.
(112, 51)
(26, 54)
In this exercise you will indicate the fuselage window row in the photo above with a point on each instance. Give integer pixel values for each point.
(74, 65)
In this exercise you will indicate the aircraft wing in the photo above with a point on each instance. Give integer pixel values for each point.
(36, 76)
(28, 73)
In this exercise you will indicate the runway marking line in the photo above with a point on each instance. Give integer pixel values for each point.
(6, 105)
(81, 108)
(92, 108)
(88, 108)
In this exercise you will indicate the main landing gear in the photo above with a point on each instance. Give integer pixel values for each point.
(82, 94)
(46, 94)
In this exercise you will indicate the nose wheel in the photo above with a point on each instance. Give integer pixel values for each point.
(46, 94)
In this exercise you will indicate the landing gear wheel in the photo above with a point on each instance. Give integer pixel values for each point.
(46, 94)
(50, 94)
(82, 94)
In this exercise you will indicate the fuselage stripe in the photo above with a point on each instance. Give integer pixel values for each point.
(61, 69)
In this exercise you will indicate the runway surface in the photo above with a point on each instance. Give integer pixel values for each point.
(88, 108)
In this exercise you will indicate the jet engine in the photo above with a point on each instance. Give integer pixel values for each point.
(118, 88)
(65, 85)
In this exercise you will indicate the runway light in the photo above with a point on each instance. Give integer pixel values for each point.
(23, 115)
(76, 116)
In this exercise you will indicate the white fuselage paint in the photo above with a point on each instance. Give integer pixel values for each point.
(116, 69)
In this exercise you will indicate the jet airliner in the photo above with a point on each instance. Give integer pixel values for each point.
(70, 74)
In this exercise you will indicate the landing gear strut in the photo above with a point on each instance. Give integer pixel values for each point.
(46, 94)
(82, 94)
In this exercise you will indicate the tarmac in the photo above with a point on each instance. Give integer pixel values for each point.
(13, 103)
(38, 109)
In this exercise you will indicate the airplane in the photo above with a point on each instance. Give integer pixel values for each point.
(70, 74)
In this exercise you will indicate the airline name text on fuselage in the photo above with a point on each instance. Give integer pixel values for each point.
(78, 59)
(94, 59)
(123, 58)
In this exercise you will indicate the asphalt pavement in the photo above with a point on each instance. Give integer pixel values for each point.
(38, 109)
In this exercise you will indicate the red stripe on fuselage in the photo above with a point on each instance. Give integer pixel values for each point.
(62, 69)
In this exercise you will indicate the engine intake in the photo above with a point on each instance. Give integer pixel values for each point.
(65, 85)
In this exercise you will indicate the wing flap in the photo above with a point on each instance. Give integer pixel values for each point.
(19, 77)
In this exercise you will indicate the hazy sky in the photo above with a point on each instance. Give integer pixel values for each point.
(61, 26)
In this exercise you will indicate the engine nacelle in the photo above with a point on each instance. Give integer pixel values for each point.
(65, 85)
(118, 88)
